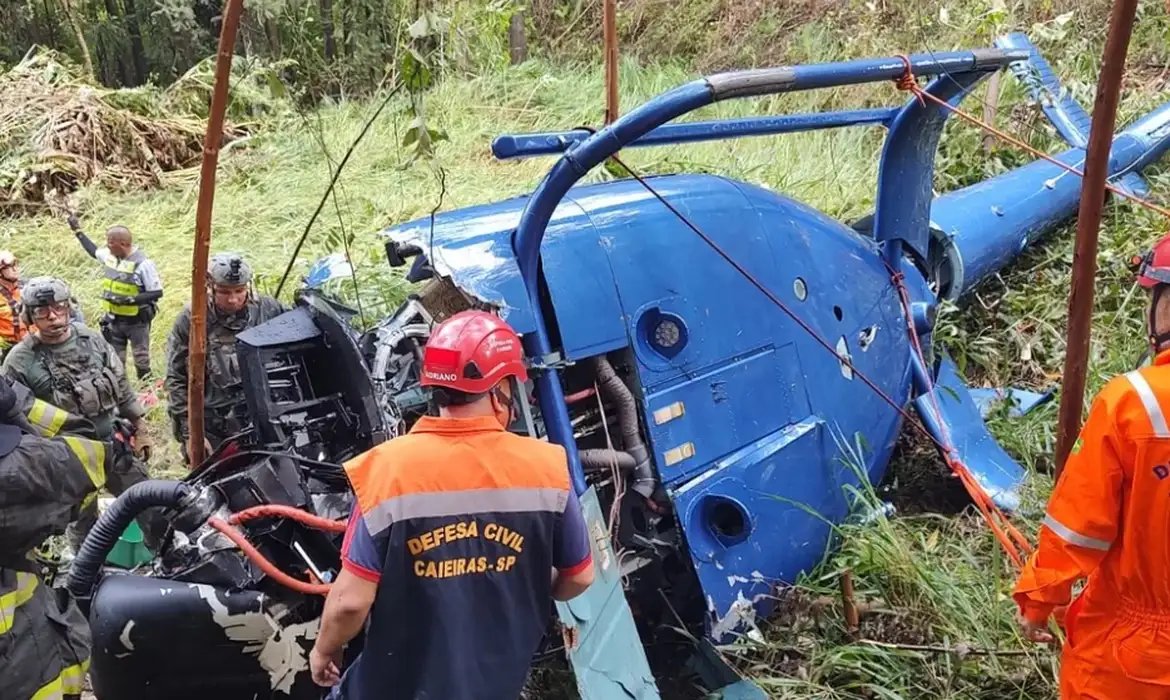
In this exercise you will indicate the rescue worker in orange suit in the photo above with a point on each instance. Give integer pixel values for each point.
(461, 534)
(11, 329)
(1106, 522)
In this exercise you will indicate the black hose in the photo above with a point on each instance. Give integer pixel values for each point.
(83, 572)
(613, 388)
(605, 459)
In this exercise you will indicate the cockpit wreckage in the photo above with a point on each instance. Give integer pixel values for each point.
(707, 402)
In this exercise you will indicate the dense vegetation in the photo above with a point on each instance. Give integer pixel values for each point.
(316, 70)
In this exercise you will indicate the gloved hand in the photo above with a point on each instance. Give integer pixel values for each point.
(74, 223)
(143, 445)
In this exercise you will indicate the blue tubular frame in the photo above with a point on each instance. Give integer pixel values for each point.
(904, 145)
(511, 146)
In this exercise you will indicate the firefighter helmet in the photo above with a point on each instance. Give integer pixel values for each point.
(471, 352)
(1153, 268)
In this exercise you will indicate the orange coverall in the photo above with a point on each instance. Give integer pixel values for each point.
(1109, 520)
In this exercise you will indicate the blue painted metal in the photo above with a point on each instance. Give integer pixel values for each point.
(1066, 114)
(1022, 401)
(757, 463)
(985, 226)
(327, 269)
(906, 173)
(607, 656)
(958, 417)
(551, 143)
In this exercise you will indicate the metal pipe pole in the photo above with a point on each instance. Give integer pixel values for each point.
(197, 358)
(1080, 300)
(609, 26)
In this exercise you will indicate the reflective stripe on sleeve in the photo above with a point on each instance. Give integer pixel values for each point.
(1071, 536)
(1150, 401)
(92, 455)
(47, 418)
(70, 681)
(26, 586)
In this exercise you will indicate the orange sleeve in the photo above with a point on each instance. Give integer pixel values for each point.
(1082, 519)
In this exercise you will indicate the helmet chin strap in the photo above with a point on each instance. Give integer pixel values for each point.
(1157, 340)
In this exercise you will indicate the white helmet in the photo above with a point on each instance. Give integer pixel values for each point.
(7, 259)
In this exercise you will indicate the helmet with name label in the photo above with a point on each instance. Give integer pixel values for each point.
(1153, 268)
(471, 352)
(229, 269)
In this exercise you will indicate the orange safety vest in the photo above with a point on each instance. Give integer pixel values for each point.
(11, 329)
(1108, 520)
(467, 520)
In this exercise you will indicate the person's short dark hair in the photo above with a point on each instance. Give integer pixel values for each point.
(444, 396)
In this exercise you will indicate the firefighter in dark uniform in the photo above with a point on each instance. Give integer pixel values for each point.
(44, 638)
(232, 307)
(461, 536)
(71, 368)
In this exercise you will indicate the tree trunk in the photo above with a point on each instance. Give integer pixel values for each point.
(272, 31)
(517, 39)
(79, 35)
(137, 51)
(50, 24)
(327, 29)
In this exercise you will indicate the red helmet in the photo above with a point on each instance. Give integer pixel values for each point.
(1153, 268)
(471, 352)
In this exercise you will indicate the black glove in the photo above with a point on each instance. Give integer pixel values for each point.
(74, 223)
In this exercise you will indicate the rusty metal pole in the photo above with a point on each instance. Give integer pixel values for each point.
(197, 359)
(609, 26)
(1080, 300)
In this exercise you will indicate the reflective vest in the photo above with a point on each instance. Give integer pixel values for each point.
(11, 329)
(44, 639)
(121, 281)
(460, 520)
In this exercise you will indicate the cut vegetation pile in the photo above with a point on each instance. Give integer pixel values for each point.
(58, 133)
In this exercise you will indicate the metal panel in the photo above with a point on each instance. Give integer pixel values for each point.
(608, 658)
(549, 143)
(746, 398)
(759, 517)
(998, 474)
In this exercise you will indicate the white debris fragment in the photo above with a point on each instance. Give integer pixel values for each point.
(124, 638)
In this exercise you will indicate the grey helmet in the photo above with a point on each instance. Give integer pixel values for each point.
(42, 291)
(228, 269)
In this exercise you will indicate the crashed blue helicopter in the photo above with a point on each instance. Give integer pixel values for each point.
(715, 300)
(708, 352)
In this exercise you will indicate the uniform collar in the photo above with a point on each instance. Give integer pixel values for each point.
(1162, 358)
(457, 426)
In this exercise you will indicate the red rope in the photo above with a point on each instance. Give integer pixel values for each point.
(1009, 537)
(909, 83)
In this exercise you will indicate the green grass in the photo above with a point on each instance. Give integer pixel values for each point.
(933, 580)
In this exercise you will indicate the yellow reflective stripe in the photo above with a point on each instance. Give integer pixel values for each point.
(92, 455)
(26, 586)
(47, 417)
(70, 681)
